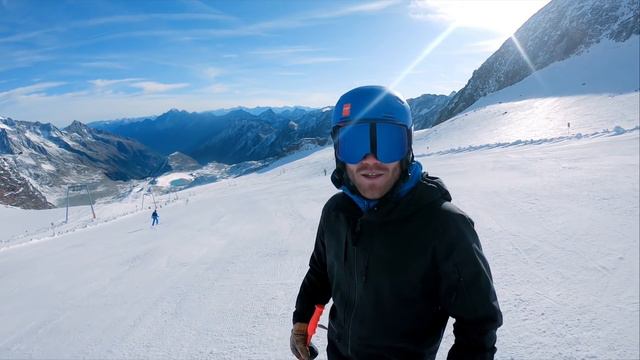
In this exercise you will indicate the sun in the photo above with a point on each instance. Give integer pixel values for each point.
(503, 17)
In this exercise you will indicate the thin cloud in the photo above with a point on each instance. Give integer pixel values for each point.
(316, 60)
(296, 55)
(23, 36)
(305, 19)
(257, 29)
(29, 90)
(150, 17)
(290, 73)
(20, 59)
(216, 89)
(363, 8)
(103, 65)
(102, 83)
(172, 35)
(283, 50)
(156, 87)
(212, 72)
(123, 19)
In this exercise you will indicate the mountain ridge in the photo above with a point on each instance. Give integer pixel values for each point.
(559, 30)
(43, 159)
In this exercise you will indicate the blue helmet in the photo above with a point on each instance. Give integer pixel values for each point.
(371, 103)
(372, 120)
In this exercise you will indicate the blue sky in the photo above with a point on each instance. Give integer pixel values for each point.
(95, 60)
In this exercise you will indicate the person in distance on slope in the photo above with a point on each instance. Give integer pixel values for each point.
(154, 217)
(392, 251)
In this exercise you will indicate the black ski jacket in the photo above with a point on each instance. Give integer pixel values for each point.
(396, 274)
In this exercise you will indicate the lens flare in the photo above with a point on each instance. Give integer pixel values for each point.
(437, 41)
(526, 59)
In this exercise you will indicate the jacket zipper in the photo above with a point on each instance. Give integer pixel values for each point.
(355, 301)
(354, 239)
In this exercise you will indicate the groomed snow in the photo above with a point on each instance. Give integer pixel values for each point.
(218, 277)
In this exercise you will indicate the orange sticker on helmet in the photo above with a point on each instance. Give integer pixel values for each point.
(346, 110)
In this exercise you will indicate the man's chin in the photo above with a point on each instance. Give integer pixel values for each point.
(371, 193)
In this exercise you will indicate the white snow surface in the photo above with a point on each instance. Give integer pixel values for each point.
(556, 210)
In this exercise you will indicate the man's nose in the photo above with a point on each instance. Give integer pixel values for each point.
(370, 159)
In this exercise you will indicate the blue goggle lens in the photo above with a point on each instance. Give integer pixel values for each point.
(388, 142)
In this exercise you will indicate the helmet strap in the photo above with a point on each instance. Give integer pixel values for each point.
(404, 167)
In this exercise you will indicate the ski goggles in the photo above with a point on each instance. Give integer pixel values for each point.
(389, 142)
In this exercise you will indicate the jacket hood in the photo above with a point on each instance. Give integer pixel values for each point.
(434, 188)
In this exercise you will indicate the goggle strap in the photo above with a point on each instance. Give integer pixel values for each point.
(373, 133)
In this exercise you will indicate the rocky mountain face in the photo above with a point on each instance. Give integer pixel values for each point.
(15, 190)
(559, 30)
(234, 137)
(181, 162)
(426, 108)
(42, 159)
(119, 158)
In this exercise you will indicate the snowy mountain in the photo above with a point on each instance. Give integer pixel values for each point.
(283, 110)
(426, 108)
(42, 159)
(106, 123)
(232, 138)
(591, 92)
(561, 29)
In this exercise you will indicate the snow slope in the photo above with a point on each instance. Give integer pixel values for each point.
(218, 277)
(557, 217)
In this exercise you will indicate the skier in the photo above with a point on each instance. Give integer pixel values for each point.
(392, 251)
(155, 217)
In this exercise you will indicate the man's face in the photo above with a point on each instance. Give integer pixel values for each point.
(372, 178)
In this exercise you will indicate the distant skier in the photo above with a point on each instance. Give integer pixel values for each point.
(155, 217)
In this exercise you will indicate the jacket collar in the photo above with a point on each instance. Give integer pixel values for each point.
(398, 191)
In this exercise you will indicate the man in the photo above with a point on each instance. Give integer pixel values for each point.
(154, 217)
(397, 258)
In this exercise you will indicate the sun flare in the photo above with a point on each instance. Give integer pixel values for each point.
(500, 16)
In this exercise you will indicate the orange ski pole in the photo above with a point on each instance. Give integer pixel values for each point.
(313, 323)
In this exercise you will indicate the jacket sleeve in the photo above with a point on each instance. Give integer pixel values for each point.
(315, 288)
(467, 292)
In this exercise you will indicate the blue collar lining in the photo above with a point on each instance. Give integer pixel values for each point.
(415, 173)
